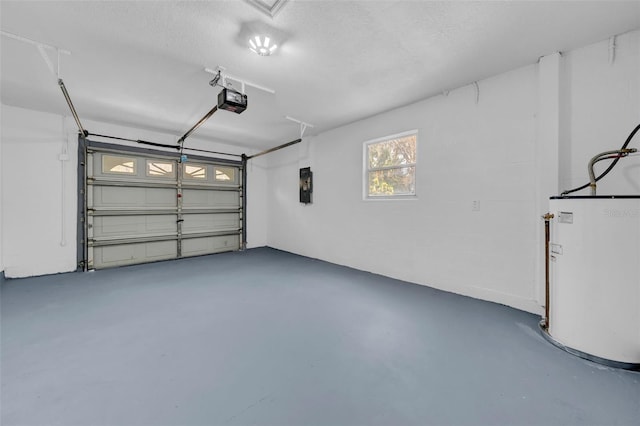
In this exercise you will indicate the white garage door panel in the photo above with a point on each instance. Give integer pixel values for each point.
(147, 207)
(210, 199)
(129, 254)
(123, 197)
(209, 222)
(198, 246)
(139, 225)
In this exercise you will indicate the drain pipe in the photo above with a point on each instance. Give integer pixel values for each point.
(547, 236)
(615, 154)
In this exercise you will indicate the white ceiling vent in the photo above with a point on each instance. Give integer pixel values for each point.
(268, 7)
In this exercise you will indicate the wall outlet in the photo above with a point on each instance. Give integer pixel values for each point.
(475, 206)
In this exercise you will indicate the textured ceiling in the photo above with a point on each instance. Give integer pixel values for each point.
(141, 63)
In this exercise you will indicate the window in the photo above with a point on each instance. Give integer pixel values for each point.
(160, 168)
(225, 174)
(390, 166)
(195, 171)
(119, 165)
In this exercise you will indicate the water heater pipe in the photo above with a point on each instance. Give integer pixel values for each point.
(611, 166)
(615, 154)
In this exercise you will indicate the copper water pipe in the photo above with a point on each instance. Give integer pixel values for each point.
(547, 236)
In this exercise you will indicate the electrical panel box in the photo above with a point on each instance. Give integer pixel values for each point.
(231, 100)
(306, 185)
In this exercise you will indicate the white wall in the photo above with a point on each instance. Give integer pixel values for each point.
(1, 197)
(601, 106)
(503, 151)
(39, 203)
(466, 152)
(33, 238)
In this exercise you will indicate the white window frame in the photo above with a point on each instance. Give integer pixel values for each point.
(365, 168)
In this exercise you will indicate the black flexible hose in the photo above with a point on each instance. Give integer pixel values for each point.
(611, 166)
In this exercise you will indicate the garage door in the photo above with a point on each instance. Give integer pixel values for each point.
(144, 206)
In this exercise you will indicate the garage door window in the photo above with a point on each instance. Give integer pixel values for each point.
(160, 169)
(225, 174)
(118, 165)
(195, 171)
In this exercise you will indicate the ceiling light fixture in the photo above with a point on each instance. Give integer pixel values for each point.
(262, 45)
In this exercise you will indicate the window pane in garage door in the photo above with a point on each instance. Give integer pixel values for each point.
(160, 168)
(225, 174)
(118, 165)
(195, 171)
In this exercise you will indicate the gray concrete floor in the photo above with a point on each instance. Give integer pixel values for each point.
(269, 338)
